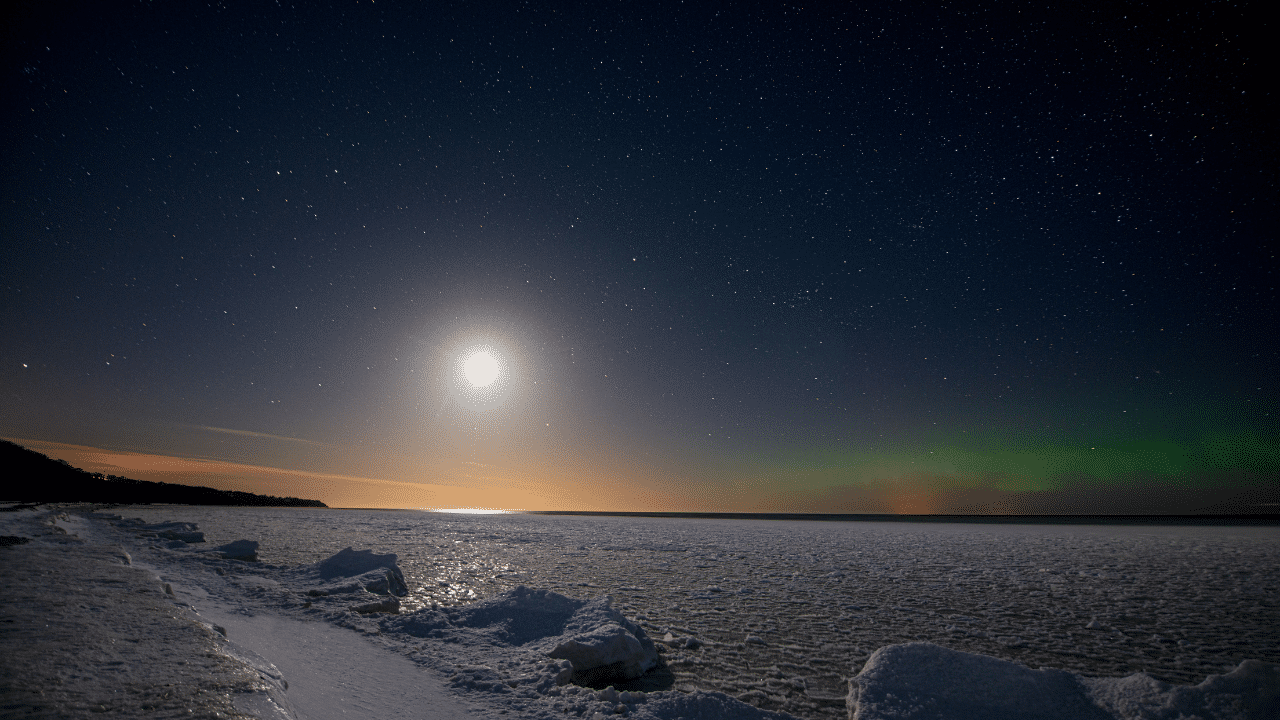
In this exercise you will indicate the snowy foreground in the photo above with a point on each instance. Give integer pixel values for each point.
(147, 618)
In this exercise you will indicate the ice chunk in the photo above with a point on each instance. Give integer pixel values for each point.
(561, 673)
(919, 680)
(608, 649)
(349, 563)
(609, 695)
(687, 641)
(603, 645)
(353, 571)
(238, 550)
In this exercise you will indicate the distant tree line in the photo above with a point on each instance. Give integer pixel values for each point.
(33, 477)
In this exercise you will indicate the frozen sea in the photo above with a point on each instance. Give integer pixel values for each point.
(782, 613)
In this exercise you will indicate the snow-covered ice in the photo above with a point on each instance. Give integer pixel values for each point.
(922, 680)
(392, 613)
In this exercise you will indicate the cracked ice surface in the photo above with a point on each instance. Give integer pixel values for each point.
(781, 613)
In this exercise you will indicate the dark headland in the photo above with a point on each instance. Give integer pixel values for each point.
(37, 478)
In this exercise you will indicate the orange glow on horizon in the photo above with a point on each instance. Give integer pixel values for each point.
(335, 490)
(474, 485)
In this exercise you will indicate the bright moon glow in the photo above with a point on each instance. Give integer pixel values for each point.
(481, 369)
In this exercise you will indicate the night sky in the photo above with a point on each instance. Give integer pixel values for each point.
(916, 258)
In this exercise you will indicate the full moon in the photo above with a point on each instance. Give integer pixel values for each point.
(481, 369)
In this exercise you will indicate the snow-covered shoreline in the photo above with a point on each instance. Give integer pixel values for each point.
(325, 640)
(85, 631)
